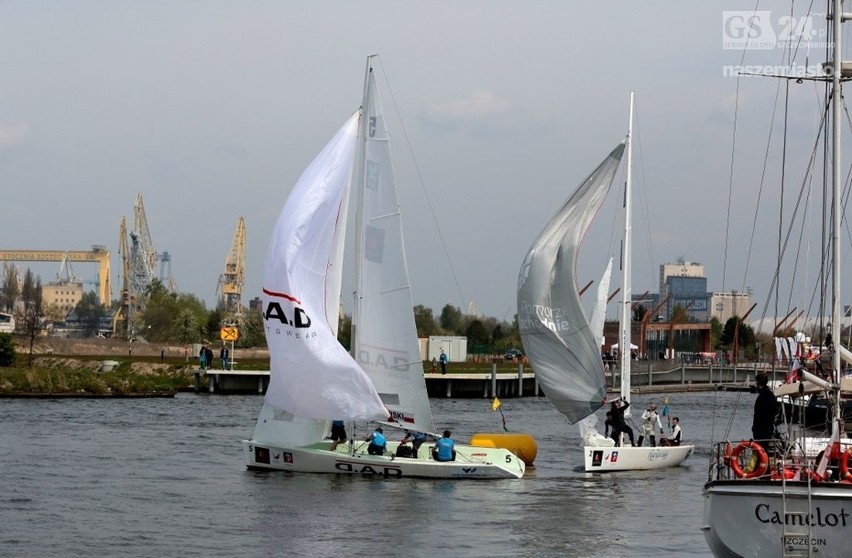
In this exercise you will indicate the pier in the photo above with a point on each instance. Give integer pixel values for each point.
(647, 377)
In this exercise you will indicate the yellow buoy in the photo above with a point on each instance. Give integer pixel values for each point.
(522, 445)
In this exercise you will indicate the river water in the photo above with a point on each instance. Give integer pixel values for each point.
(165, 477)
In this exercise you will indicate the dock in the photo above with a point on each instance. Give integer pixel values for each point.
(646, 379)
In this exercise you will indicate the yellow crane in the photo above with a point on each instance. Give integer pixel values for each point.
(99, 255)
(232, 279)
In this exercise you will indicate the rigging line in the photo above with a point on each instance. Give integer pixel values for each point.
(846, 188)
(783, 184)
(423, 185)
(731, 170)
(762, 183)
(783, 248)
(644, 189)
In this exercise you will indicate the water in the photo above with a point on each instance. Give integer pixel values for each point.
(165, 477)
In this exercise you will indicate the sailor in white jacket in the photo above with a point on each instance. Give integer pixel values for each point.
(649, 418)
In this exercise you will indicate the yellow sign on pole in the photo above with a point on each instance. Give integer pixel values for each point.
(229, 334)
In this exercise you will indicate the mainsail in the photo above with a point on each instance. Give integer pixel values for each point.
(384, 333)
(563, 348)
(312, 375)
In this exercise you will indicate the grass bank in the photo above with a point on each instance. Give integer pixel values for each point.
(54, 378)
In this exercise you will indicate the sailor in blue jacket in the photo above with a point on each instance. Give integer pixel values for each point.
(443, 450)
(378, 442)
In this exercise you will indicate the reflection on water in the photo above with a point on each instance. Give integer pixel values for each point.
(165, 477)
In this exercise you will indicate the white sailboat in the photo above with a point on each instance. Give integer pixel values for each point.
(792, 505)
(563, 345)
(313, 379)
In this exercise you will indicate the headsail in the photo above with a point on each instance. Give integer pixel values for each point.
(563, 349)
(312, 375)
(384, 333)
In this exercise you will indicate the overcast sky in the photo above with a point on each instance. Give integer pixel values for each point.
(212, 109)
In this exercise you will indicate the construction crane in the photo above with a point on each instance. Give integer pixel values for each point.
(166, 277)
(139, 262)
(98, 255)
(143, 254)
(230, 288)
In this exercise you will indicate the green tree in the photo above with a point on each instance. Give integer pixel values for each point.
(7, 350)
(451, 320)
(715, 332)
(9, 291)
(89, 311)
(744, 335)
(251, 330)
(31, 296)
(424, 321)
(215, 321)
(639, 313)
(166, 316)
(187, 326)
(476, 333)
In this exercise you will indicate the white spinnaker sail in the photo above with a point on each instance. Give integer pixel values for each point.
(385, 340)
(312, 375)
(562, 348)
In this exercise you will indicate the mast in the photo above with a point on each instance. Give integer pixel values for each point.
(837, 114)
(358, 185)
(624, 342)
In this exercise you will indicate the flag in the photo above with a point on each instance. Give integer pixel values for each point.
(793, 375)
(495, 405)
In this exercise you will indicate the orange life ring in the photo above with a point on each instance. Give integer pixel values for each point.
(845, 473)
(762, 460)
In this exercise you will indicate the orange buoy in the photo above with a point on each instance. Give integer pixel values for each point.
(762, 460)
(522, 445)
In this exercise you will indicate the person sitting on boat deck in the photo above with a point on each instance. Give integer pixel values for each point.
(618, 425)
(338, 433)
(378, 442)
(765, 409)
(444, 448)
(677, 433)
(416, 439)
(649, 417)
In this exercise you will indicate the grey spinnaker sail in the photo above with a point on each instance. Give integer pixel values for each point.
(562, 348)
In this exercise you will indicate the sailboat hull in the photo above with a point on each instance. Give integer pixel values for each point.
(627, 458)
(747, 518)
(471, 462)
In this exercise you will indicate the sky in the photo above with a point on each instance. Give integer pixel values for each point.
(497, 111)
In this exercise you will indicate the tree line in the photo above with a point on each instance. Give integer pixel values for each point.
(173, 317)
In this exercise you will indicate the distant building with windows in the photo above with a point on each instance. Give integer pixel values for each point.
(727, 304)
(684, 284)
(64, 295)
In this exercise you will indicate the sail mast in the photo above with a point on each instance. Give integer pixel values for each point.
(627, 295)
(358, 187)
(837, 115)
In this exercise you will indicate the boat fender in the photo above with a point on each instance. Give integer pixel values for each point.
(727, 459)
(788, 473)
(845, 473)
(762, 460)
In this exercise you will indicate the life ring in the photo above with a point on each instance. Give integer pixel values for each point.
(845, 473)
(762, 460)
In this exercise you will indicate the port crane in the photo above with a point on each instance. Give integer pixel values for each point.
(230, 287)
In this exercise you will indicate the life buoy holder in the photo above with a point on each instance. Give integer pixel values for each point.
(727, 458)
(845, 473)
(762, 460)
